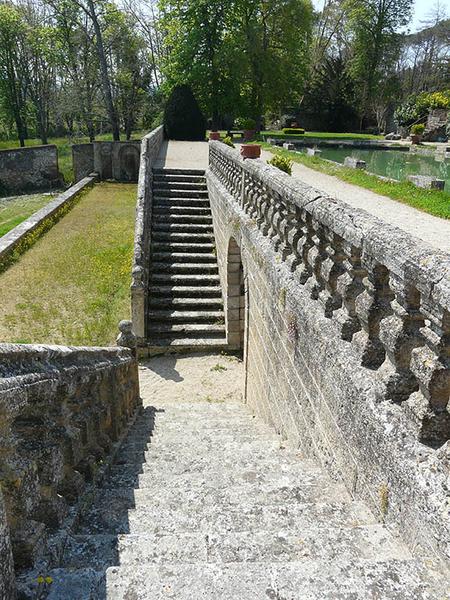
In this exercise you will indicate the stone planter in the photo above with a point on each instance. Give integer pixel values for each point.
(214, 135)
(249, 134)
(250, 151)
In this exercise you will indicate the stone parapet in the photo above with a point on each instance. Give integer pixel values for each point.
(29, 169)
(62, 412)
(151, 145)
(348, 337)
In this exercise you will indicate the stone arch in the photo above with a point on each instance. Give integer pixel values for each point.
(236, 298)
(129, 163)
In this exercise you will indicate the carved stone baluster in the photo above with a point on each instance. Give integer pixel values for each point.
(331, 269)
(287, 226)
(400, 334)
(316, 257)
(349, 286)
(373, 305)
(431, 366)
(267, 212)
(279, 216)
(307, 242)
(296, 236)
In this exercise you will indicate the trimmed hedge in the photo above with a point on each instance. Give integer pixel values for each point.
(293, 131)
(183, 119)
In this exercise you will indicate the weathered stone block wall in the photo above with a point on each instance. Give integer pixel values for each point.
(62, 410)
(7, 579)
(151, 145)
(346, 338)
(82, 160)
(29, 169)
(111, 160)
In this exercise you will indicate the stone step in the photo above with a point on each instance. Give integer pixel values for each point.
(175, 193)
(181, 210)
(182, 267)
(182, 247)
(185, 184)
(157, 171)
(368, 542)
(187, 330)
(182, 219)
(185, 279)
(185, 316)
(160, 202)
(186, 291)
(188, 237)
(183, 257)
(184, 345)
(188, 178)
(187, 303)
(324, 579)
(357, 579)
(169, 226)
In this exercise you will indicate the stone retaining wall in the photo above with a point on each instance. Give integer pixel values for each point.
(110, 160)
(62, 412)
(29, 169)
(347, 324)
(21, 237)
(151, 145)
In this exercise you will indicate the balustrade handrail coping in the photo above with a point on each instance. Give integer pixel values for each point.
(401, 253)
(139, 234)
(26, 359)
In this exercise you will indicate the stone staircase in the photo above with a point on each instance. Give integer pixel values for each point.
(204, 502)
(185, 297)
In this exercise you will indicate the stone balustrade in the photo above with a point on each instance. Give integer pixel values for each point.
(151, 145)
(62, 412)
(386, 293)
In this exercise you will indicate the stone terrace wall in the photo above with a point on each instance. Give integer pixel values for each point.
(62, 410)
(110, 160)
(29, 169)
(347, 338)
(151, 145)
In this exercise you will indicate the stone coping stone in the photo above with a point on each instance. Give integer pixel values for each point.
(354, 163)
(427, 182)
(9, 241)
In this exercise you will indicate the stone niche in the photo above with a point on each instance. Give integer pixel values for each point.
(29, 169)
(111, 160)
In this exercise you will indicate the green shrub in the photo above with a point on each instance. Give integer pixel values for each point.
(282, 163)
(293, 131)
(183, 119)
(246, 123)
(418, 129)
(228, 141)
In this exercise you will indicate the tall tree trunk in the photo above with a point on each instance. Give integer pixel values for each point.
(106, 83)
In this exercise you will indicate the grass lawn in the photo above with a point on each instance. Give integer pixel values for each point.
(431, 201)
(323, 135)
(64, 145)
(72, 286)
(15, 210)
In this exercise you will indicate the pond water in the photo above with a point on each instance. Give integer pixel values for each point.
(394, 164)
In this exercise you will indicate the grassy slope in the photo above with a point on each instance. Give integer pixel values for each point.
(65, 149)
(433, 202)
(72, 287)
(13, 212)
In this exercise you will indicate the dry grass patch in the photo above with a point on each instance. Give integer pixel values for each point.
(72, 286)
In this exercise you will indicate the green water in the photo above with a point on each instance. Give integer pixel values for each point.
(394, 164)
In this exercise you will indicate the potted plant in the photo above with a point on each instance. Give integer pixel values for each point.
(214, 135)
(250, 151)
(417, 132)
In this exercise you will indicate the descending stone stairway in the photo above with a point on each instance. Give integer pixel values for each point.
(203, 502)
(185, 298)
